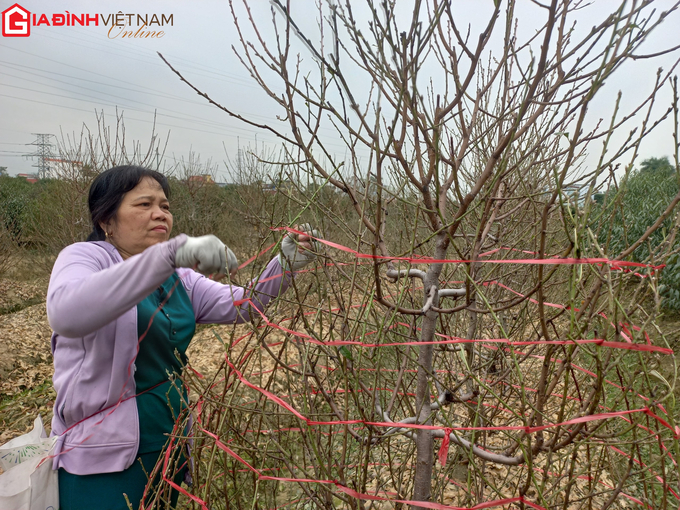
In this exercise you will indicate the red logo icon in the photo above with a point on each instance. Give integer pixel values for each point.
(16, 22)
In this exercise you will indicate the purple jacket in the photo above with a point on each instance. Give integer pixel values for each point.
(92, 307)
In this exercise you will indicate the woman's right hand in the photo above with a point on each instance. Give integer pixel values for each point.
(207, 255)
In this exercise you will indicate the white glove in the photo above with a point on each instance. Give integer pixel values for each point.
(296, 255)
(207, 255)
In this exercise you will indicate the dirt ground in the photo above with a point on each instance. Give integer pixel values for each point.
(25, 358)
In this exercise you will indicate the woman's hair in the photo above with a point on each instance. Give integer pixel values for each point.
(108, 189)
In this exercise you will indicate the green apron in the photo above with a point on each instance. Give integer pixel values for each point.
(162, 354)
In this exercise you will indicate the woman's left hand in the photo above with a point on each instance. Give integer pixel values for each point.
(298, 250)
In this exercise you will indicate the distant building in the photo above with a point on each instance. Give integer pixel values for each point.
(203, 178)
(273, 187)
(32, 178)
(576, 194)
(62, 167)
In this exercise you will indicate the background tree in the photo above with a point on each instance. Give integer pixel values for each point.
(637, 202)
(657, 166)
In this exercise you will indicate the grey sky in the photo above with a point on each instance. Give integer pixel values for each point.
(55, 79)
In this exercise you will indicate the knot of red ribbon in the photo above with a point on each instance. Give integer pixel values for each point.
(444, 449)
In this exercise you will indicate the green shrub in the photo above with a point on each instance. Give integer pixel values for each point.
(670, 283)
(643, 197)
(17, 199)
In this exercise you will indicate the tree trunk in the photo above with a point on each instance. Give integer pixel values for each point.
(424, 440)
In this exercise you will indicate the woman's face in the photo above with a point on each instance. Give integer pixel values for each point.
(143, 219)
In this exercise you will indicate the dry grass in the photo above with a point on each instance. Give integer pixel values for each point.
(25, 357)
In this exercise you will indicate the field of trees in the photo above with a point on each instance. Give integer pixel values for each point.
(491, 322)
(244, 215)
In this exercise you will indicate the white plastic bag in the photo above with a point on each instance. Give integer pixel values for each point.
(26, 484)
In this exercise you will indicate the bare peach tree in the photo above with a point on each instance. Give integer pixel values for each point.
(466, 151)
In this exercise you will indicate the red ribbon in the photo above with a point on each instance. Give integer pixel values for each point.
(615, 264)
(256, 256)
(444, 448)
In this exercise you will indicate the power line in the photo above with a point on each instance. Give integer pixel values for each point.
(154, 92)
(144, 90)
(152, 58)
(48, 74)
(200, 121)
(232, 133)
(89, 71)
(95, 99)
(147, 90)
(128, 118)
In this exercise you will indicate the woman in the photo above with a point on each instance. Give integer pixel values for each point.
(123, 307)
